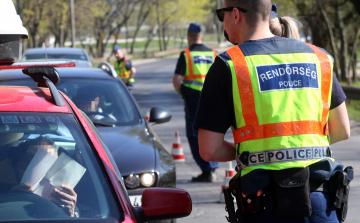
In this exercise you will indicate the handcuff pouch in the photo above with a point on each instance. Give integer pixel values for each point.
(292, 193)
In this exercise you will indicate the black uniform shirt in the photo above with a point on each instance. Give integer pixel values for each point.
(181, 69)
(215, 111)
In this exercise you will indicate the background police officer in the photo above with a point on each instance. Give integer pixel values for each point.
(191, 68)
(124, 68)
(266, 119)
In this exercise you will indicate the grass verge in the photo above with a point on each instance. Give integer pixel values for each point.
(353, 107)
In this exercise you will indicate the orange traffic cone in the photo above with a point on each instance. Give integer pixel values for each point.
(177, 150)
(229, 173)
(147, 117)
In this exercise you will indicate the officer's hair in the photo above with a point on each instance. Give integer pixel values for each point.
(194, 36)
(257, 10)
(285, 27)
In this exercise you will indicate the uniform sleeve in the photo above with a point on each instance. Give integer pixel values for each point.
(337, 95)
(128, 65)
(181, 65)
(213, 109)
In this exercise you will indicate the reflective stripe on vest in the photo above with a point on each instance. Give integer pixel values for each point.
(193, 83)
(121, 70)
(269, 116)
(283, 155)
(253, 130)
(196, 70)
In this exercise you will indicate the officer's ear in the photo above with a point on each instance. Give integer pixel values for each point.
(237, 16)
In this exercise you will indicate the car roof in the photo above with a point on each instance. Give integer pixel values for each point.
(54, 50)
(25, 99)
(78, 72)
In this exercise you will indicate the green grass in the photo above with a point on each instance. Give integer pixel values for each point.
(353, 108)
(355, 84)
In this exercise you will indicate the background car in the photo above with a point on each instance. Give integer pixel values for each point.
(29, 113)
(139, 154)
(80, 56)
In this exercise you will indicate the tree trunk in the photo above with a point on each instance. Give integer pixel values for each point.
(354, 68)
(218, 23)
(343, 43)
(332, 39)
(126, 36)
(151, 35)
(141, 19)
(164, 39)
(353, 57)
(61, 37)
(159, 25)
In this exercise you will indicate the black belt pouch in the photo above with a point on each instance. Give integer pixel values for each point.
(292, 193)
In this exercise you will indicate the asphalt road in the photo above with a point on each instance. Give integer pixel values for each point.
(153, 87)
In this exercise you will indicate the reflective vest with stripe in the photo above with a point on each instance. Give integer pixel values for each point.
(198, 64)
(121, 70)
(281, 120)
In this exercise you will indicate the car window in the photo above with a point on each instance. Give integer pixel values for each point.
(66, 56)
(104, 101)
(18, 82)
(44, 151)
(39, 56)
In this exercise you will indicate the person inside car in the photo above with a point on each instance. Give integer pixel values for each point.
(66, 198)
(90, 100)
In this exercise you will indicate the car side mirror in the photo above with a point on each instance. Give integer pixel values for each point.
(164, 203)
(159, 115)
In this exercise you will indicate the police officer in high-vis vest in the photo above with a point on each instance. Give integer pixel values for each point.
(285, 108)
(191, 68)
(124, 68)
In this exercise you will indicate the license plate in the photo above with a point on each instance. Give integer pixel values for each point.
(135, 200)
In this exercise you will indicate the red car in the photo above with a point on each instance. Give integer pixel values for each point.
(54, 166)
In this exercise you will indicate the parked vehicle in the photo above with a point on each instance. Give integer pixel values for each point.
(79, 152)
(139, 154)
(81, 57)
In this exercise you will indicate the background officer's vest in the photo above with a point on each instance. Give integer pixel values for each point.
(121, 70)
(198, 64)
(281, 104)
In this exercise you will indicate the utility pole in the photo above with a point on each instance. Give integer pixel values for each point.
(19, 11)
(72, 11)
(218, 5)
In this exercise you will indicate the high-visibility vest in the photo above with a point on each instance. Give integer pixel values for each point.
(198, 64)
(280, 124)
(121, 70)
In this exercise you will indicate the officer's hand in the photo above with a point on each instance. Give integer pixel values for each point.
(126, 80)
(66, 199)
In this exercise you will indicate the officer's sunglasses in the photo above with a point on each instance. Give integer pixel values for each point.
(220, 12)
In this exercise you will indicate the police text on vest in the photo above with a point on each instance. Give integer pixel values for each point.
(287, 76)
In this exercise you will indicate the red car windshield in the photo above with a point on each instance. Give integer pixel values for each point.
(49, 171)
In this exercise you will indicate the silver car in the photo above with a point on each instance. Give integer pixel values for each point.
(80, 56)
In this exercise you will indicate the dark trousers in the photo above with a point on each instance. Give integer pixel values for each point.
(191, 104)
(321, 212)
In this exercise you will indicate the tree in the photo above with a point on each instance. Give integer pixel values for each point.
(33, 14)
(340, 33)
(58, 20)
(143, 13)
(178, 13)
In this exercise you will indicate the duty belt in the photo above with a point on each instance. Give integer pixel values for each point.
(193, 83)
(281, 155)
